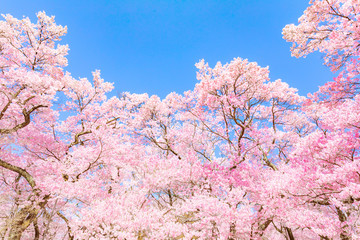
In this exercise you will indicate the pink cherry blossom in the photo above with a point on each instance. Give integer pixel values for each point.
(240, 156)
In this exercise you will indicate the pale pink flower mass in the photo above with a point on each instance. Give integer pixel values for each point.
(238, 157)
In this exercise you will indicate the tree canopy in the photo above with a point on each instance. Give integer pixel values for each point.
(238, 157)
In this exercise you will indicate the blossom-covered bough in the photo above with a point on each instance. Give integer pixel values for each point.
(238, 157)
(331, 27)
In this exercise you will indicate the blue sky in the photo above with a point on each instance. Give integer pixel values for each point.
(152, 46)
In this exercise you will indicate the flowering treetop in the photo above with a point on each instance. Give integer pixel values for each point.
(238, 157)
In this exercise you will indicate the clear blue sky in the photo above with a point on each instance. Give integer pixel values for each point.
(151, 46)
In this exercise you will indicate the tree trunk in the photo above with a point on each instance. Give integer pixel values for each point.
(290, 233)
(21, 222)
(342, 217)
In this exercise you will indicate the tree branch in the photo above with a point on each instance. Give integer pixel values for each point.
(20, 171)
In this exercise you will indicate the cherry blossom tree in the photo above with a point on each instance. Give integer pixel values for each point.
(329, 155)
(332, 28)
(44, 159)
(238, 157)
